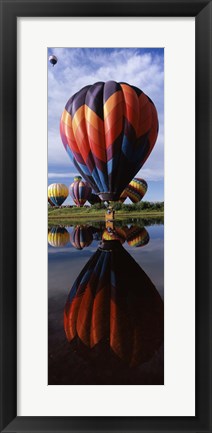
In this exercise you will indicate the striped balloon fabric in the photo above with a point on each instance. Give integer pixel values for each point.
(57, 193)
(80, 191)
(58, 236)
(137, 236)
(123, 196)
(109, 130)
(81, 237)
(114, 302)
(136, 189)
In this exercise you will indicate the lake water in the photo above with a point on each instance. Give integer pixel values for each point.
(106, 303)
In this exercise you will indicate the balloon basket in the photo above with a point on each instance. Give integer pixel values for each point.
(110, 217)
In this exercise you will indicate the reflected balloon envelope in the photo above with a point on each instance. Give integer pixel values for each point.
(81, 237)
(114, 234)
(113, 301)
(58, 237)
(137, 236)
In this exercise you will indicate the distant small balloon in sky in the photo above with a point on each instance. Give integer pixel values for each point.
(53, 60)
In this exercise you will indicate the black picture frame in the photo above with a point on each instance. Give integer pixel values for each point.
(10, 10)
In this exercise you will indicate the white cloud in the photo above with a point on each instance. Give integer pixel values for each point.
(52, 175)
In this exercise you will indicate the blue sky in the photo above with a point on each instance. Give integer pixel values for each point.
(78, 67)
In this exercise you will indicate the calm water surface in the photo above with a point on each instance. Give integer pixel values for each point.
(106, 304)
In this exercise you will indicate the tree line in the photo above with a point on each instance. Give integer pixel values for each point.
(142, 205)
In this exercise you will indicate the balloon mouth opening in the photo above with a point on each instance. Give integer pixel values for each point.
(108, 196)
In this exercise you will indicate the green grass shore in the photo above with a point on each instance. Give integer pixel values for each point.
(74, 215)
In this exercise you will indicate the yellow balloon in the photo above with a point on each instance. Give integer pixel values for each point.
(57, 193)
(58, 237)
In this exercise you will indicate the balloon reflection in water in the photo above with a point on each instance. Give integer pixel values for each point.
(114, 234)
(137, 236)
(81, 237)
(113, 302)
(97, 231)
(58, 237)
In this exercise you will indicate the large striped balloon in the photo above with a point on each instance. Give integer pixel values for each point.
(80, 191)
(57, 193)
(113, 302)
(136, 189)
(109, 129)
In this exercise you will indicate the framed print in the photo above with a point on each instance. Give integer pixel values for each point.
(105, 221)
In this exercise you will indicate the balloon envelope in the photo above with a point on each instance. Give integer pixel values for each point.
(123, 196)
(51, 202)
(109, 129)
(80, 191)
(136, 189)
(137, 236)
(53, 60)
(113, 302)
(57, 193)
(81, 237)
(58, 237)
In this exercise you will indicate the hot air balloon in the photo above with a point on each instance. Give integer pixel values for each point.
(57, 193)
(93, 199)
(80, 191)
(109, 130)
(123, 196)
(115, 304)
(136, 189)
(137, 236)
(81, 237)
(51, 202)
(58, 237)
(53, 60)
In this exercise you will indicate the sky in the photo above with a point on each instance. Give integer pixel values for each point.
(78, 67)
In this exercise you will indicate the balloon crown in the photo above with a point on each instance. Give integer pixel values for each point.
(76, 178)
